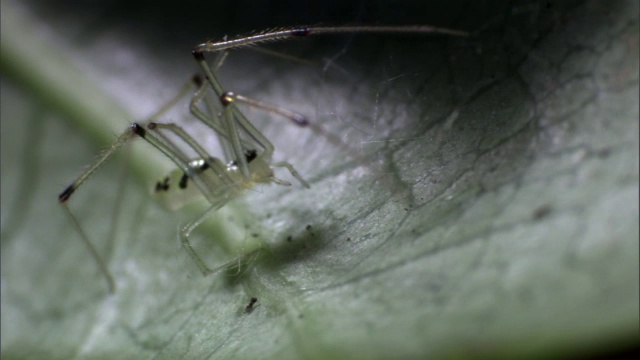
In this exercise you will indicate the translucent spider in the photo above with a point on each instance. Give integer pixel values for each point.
(247, 151)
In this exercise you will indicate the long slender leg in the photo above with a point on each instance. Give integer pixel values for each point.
(92, 250)
(184, 239)
(208, 120)
(256, 134)
(185, 90)
(180, 161)
(301, 121)
(212, 106)
(297, 32)
(293, 172)
(178, 131)
(227, 100)
(226, 136)
(65, 195)
(236, 145)
(231, 114)
(216, 202)
(283, 34)
(296, 118)
(186, 231)
(121, 140)
(225, 127)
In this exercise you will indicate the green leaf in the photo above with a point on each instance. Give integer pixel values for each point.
(481, 201)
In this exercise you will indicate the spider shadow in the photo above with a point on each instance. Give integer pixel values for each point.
(290, 249)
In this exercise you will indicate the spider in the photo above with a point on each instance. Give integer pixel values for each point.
(248, 152)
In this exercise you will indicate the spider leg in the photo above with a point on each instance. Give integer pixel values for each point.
(186, 231)
(66, 194)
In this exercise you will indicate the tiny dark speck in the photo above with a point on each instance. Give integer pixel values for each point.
(541, 212)
(289, 238)
(604, 153)
(249, 308)
(309, 228)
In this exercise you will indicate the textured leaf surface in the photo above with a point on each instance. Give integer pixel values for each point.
(484, 202)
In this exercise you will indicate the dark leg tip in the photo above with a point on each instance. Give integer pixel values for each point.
(66, 194)
(198, 54)
(139, 130)
(300, 120)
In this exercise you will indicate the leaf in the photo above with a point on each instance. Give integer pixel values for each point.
(483, 201)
